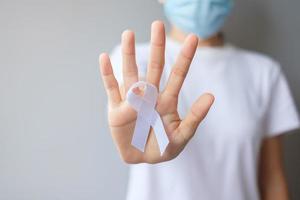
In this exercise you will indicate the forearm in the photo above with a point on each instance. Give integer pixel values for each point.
(274, 188)
(272, 181)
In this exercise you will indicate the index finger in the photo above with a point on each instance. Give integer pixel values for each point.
(181, 66)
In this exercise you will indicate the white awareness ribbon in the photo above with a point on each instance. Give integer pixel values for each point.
(147, 116)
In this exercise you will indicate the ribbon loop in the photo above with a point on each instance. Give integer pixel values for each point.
(147, 116)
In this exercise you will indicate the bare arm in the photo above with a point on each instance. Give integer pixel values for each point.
(272, 180)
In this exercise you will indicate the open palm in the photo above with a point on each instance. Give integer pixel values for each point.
(122, 117)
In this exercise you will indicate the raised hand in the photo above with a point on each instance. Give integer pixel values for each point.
(122, 117)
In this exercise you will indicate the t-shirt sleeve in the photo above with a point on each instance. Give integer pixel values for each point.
(281, 113)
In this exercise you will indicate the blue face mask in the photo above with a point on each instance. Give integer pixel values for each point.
(201, 17)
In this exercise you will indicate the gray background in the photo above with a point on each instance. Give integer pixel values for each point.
(54, 142)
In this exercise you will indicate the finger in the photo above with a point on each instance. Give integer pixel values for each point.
(181, 66)
(130, 72)
(157, 53)
(197, 113)
(109, 80)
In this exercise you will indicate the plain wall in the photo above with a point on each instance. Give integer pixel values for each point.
(54, 141)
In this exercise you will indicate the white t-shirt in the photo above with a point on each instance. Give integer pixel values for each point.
(252, 102)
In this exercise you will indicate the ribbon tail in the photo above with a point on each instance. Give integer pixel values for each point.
(140, 135)
(160, 133)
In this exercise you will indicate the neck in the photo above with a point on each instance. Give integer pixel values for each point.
(213, 41)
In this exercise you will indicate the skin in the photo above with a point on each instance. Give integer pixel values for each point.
(272, 181)
(122, 117)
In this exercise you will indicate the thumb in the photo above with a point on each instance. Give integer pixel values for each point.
(197, 113)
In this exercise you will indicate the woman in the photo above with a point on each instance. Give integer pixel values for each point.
(236, 151)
